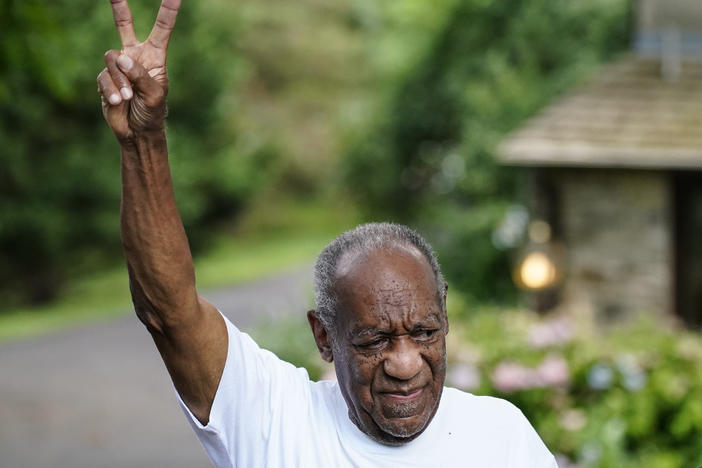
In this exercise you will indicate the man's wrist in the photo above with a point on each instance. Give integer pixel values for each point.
(151, 137)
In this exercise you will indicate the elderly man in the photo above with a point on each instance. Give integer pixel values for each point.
(380, 317)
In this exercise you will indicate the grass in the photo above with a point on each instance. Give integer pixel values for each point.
(290, 234)
(102, 295)
(243, 260)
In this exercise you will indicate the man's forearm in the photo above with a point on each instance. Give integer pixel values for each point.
(161, 272)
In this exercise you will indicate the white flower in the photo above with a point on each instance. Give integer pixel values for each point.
(573, 420)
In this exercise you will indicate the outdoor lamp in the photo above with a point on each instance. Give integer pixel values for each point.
(537, 271)
(538, 267)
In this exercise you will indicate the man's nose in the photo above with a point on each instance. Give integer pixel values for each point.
(404, 359)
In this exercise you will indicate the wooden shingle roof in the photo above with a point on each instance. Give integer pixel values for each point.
(627, 116)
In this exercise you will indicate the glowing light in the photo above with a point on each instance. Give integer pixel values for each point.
(537, 271)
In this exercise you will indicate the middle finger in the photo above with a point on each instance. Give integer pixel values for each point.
(165, 21)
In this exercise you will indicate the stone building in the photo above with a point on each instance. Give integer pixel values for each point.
(616, 171)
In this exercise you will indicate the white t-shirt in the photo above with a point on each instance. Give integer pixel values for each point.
(267, 413)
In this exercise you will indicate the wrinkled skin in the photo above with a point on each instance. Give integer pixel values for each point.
(389, 346)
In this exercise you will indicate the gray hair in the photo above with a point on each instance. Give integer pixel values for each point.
(363, 239)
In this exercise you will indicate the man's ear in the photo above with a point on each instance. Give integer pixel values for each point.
(321, 337)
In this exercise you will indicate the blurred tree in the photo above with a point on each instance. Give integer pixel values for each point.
(59, 164)
(428, 158)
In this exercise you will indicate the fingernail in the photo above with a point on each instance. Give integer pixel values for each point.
(125, 62)
(126, 93)
(114, 98)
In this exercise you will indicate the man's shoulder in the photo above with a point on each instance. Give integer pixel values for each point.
(464, 406)
(463, 400)
(495, 427)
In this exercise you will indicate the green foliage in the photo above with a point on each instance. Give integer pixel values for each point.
(462, 237)
(291, 339)
(626, 397)
(430, 155)
(59, 167)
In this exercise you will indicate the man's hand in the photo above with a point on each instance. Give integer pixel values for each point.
(134, 84)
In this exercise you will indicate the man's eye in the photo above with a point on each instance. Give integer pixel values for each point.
(375, 344)
(425, 335)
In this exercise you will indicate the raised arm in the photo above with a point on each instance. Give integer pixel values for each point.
(188, 331)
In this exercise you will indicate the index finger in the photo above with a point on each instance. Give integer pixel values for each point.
(165, 21)
(124, 22)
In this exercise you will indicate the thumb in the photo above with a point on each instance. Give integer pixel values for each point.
(148, 88)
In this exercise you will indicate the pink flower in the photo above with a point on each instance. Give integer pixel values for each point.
(464, 376)
(508, 377)
(553, 332)
(552, 372)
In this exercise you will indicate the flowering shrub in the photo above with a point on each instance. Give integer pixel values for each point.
(630, 396)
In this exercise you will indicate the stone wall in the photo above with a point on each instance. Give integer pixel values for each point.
(617, 229)
(657, 15)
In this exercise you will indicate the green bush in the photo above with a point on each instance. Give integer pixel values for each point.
(627, 397)
(291, 339)
(59, 164)
(429, 157)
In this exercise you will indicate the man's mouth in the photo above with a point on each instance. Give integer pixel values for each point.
(403, 396)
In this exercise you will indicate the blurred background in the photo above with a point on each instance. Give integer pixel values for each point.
(548, 149)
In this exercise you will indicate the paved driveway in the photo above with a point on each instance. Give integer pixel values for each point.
(99, 396)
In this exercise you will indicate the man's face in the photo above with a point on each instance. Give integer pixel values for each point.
(390, 349)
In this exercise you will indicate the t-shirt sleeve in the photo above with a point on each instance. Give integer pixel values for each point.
(257, 393)
(528, 449)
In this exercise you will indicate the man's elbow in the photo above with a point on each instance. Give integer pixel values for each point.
(165, 319)
(164, 309)
(153, 322)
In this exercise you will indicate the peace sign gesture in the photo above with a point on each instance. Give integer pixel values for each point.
(134, 84)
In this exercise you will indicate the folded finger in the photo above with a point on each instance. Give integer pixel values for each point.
(118, 77)
(142, 83)
(124, 22)
(165, 21)
(107, 88)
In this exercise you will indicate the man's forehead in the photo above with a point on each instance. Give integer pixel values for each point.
(378, 259)
(367, 324)
(387, 286)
